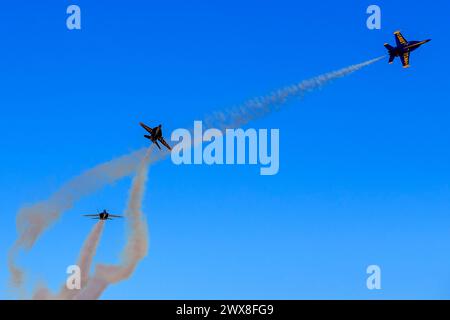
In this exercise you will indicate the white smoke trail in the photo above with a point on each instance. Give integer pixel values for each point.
(259, 107)
(32, 221)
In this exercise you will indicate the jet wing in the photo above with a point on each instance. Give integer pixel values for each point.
(399, 39)
(164, 143)
(90, 215)
(405, 60)
(150, 130)
(114, 216)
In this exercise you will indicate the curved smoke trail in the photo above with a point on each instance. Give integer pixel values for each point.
(84, 261)
(137, 241)
(32, 221)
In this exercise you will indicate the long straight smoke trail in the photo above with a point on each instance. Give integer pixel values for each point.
(136, 247)
(259, 107)
(33, 220)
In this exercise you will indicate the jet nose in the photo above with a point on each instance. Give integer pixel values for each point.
(428, 40)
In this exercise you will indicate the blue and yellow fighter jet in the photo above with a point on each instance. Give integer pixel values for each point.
(403, 48)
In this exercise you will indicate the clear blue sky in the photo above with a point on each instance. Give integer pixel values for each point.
(364, 162)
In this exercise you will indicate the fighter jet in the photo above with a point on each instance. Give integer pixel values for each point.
(155, 135)
(403, 48)
(104, 215)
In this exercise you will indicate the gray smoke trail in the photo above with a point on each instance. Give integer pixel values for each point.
(136, 247)
(84, 262)
(32, 221)
(42, 293)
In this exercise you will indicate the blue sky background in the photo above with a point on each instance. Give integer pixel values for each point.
(364, 162)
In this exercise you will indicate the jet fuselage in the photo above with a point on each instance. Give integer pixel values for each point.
(157, 133)
(103, 215)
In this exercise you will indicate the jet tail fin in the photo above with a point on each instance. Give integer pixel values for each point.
(388, 47)
(391, 52)
(391, 58)
(147, 136)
